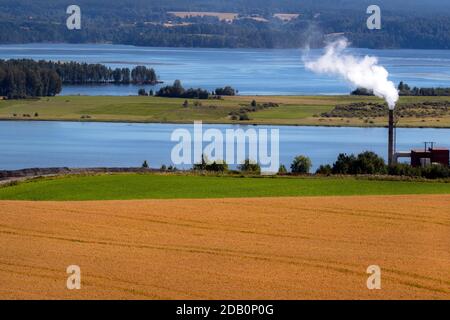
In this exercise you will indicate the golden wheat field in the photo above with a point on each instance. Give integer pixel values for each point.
(264, 248)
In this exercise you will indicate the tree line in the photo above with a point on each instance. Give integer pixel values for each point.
(85, 73)
(369, 163)
(29, 78)
(405, 90)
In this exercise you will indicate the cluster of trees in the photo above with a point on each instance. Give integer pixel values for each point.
(250, 167)
(370, 163)
(405, 90)
(214, 166)
(143, 75)
(362, 92)
(142, 92)
(26, 79)
(300, 165)
(226, 91)
(177, 91)
(247, 167)
(364, 163)
(419, 25)
(21, 78)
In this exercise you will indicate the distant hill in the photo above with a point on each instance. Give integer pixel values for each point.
(253, 23)
(242, 6)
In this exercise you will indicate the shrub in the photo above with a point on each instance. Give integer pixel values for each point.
(249, 167)
(362, 92)
(343, 164)
(301, 164)
(402, 169)
(435, 171)
(369, 163)
(215, 166)
(163, 168)
(174, 91)
(244, 117)
(227, 91)
(142, 92)
(282, 170)
(325, 170)
(177, 91)
(195, 94)
(365, 163)
(202, 165)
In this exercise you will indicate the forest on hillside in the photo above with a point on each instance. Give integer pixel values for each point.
(149, 23)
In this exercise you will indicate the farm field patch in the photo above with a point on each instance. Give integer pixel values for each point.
(248, 248)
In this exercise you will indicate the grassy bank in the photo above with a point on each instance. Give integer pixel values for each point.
(292, 110)
(156, 186)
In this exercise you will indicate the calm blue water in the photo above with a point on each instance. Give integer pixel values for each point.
(251, 71)
(74, 144)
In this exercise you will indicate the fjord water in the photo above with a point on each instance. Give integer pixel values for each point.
(251, 71)
(26, 144)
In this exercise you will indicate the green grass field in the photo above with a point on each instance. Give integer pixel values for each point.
(158, 186)
(292, 110)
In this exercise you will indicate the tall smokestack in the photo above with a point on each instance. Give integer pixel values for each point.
(391, 138)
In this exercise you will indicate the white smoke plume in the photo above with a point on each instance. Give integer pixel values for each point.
(361, 72)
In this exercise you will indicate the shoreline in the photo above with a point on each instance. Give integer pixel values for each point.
(220, 123)
(8, 177)
(111, 43)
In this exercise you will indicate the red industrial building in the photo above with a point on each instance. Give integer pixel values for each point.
(426, 156)
(419, 157)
